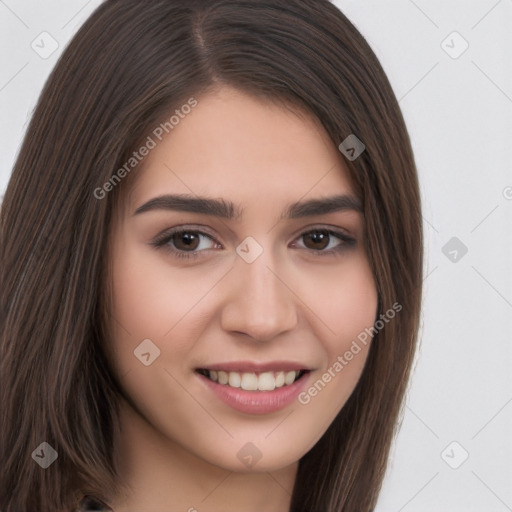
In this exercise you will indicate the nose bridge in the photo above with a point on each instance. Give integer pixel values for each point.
(259, 303)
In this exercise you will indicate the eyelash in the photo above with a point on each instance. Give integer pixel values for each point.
(163, 240)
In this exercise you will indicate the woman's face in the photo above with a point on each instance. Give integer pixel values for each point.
(251, 293)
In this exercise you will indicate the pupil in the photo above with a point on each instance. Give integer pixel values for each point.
(188, 240)
(319, 238)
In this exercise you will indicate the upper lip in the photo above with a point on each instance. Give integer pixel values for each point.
(251, 366)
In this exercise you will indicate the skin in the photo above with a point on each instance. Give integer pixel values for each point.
(179, 442)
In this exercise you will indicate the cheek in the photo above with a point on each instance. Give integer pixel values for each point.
(352, 312)
(150, 300)
(344, 300)
(145, 304)
(348, 307)
(354, 307)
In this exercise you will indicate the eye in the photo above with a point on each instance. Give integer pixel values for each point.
(185, 242)
(320, 241)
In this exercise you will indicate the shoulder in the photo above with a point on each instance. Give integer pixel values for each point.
(92, 504)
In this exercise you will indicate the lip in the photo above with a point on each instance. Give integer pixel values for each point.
(256, 402)
(251, 366)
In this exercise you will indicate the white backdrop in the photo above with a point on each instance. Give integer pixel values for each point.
(450, 64)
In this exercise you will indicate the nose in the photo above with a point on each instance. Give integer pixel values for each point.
(259, 302)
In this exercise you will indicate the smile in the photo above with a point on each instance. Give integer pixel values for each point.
(255, 388)
(254, 381)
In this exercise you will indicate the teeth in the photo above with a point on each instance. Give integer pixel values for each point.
(266, 381)
(234, 379)
(289, 378)
(249, 381)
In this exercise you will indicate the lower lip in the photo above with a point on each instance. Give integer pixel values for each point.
(256, 402)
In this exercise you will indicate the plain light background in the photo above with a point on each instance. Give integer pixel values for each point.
(454, 449)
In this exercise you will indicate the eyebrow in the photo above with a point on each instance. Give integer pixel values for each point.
(228, 210)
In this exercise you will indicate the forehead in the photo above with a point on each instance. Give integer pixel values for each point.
(236, 146)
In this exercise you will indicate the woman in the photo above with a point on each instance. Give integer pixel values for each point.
(211, 266)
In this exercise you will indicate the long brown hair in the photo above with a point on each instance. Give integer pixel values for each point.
(128, 66)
